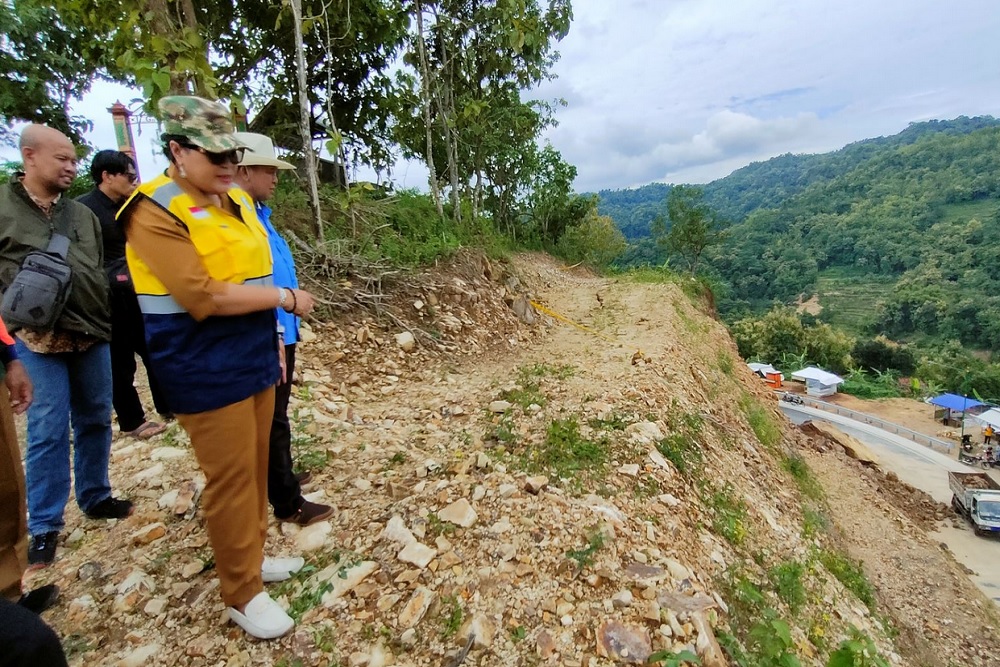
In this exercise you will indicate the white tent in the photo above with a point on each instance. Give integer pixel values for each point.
(818, 382)
(763, 369)
(991, 417)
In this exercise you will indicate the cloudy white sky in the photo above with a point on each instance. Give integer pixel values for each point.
(686, 91)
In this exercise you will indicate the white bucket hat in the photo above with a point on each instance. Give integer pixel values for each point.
(260, 152)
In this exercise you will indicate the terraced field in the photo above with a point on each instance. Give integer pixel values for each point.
(848, 298)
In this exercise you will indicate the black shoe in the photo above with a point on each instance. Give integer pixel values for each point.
(40, 599)
(303, 477)
(110, 508)
(42, 551)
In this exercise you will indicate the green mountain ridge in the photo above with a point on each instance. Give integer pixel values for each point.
(916, 214)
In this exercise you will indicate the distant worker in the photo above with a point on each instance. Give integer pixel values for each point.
(115, 178)
(69, 363)
(258, 175)
(987, 435)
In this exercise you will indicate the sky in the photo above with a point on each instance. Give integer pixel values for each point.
(686, 91)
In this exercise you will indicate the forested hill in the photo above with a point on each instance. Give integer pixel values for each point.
(899, 235)
(772, 183)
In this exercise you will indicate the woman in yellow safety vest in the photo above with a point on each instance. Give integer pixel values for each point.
(201, 267)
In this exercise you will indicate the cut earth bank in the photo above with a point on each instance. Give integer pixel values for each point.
(531, 493)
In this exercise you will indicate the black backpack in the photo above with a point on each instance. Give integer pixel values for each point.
(39, 292)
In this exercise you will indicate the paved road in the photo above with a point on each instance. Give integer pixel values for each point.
(925, 469)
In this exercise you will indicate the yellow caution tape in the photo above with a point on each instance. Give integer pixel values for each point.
(563, 318)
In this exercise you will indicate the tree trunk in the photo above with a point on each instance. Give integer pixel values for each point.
(305, 124)
(425, 98)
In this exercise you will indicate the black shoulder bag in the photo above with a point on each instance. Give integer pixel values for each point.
(40, 290)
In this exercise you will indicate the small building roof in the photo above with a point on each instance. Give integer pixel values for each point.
(818, 374)
(763, 369)
(955, 402)
(990, 417)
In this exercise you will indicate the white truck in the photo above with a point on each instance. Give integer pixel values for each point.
(976, 497)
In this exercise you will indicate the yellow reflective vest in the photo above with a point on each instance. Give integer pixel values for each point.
(222, 359)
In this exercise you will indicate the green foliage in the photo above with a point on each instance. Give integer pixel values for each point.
(814, 523)
(858, 651)
(881, 354)
(771, 642)
(850, 575)
(729, 513)
(451, 621)
(804, 479)
(761, 421)
(566, 452)
(871, 385)
(690, 226)
(594, 240)
(681, 446)
(787, 582)
(46, 60)
(585, 557)
(670, 659)
(781, 333)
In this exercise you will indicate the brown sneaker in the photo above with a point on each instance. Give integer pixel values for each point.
(309, 514)
(303, 477)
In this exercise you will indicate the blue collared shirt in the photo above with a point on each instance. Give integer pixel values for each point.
(284, 272)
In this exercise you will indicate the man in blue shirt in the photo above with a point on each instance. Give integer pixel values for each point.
(258, 176)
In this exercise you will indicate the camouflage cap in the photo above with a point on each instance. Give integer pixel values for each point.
(205, 123)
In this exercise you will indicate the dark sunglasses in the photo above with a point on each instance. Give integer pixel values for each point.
(132, 176)
(218, 159)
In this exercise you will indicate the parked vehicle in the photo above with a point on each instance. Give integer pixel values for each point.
(976, 497)
(792, 398)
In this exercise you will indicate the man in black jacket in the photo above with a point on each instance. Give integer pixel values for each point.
(115, 178)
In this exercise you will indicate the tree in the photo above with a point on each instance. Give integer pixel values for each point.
(595, 240)
(46, 64)
(690, 226)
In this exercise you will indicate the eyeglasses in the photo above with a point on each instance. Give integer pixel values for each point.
(218, 159)
(132, 176)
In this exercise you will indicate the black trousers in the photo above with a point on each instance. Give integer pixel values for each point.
(128, 339)
(25, 640)
(283, 490)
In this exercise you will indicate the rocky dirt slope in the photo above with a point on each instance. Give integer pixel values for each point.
(515, 490)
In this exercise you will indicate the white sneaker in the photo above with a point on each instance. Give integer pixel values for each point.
(262, 618)
(279, 569)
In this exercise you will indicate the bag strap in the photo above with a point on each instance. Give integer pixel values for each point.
(59, 242)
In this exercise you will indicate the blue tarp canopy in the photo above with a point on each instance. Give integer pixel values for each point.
(954, 402)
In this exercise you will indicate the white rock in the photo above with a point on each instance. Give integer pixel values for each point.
(482, 628)
(156, 606)
(417, 554)
(313, 537)
(644, 432)
(149, 473)
(507, 490)
(630, 469)
(622, 599)
(344, 579)
(396, 531)
(669, 500)
(677, 571)
(406, 341)
(75, 537)
(167, 500)
(534, 408)
(536, 484)
(499, 407)
(566, 620)
(459, 513)
(167, 453)
(135, 581)
(140, 656)
(362, 484)
(478, 493)
(416, 607)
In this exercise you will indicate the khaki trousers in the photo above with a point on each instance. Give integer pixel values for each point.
(231, 444)
(13, 511)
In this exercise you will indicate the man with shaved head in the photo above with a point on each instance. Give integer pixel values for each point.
(69, 363)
